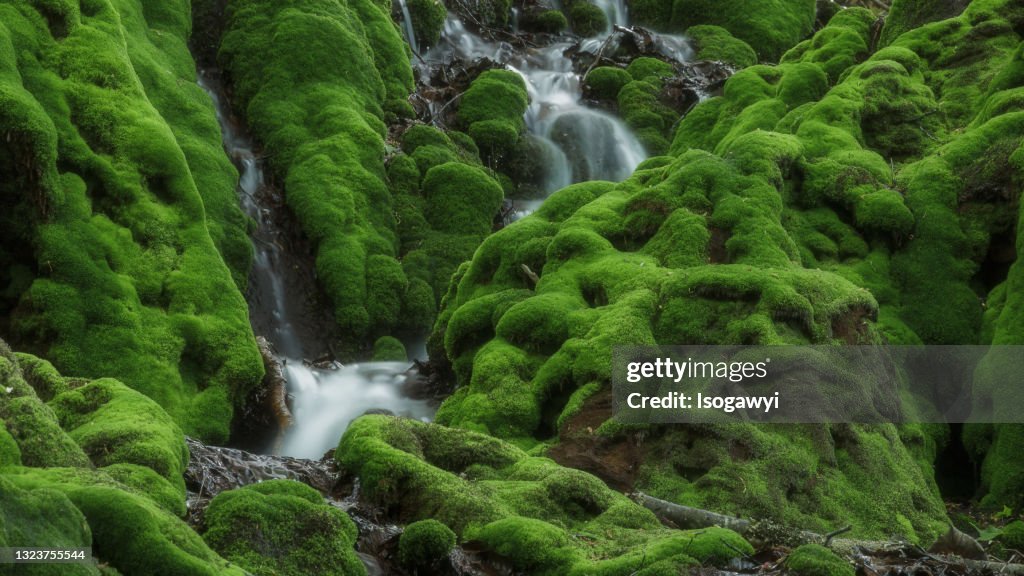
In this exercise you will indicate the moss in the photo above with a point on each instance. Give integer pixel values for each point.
(43, 518)
(519, 507)
(770, 28)
(129, 532)
(117, 425)
(425, 543)
(645, 67)
(30, 424)
(388, 349)
(134, 228)
(587, 19)
(604, 82)
(716, 43)
(427, 21)
(492, 111)
(815, 560)
(282, 527)
(461, 199)
(905, 15)
(550, 21)
(529, 545)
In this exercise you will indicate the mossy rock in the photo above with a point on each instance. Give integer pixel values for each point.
(716, 43)
(425, 543)
(43, 518)
(427, 21)
(519, 507)
(131, 210)
(816, 560)
(770, 28)
(549, 21)
(389, 349)
(587, 19)
(282, 527)
(604, 82)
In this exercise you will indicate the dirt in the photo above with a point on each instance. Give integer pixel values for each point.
(616, 461)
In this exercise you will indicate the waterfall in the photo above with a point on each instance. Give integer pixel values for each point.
(614, 11)
(578, 143)
(410, 35)
(325, 399)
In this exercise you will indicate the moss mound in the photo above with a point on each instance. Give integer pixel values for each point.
(520, 507)
(282, 527)
(425, 543)
(427, 21)
(815, 560)
(604, 82)
(834, 198)
(492, 111)
(124, 247)
(127, 508)
(716, 43)
(769, 27)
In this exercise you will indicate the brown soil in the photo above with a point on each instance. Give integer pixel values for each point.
(616, 461)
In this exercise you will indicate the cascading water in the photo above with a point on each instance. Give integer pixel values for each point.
(410, 34)
(578, 143)
(324, 399)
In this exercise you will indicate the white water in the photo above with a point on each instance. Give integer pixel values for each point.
(410, 35)
(324, 400)
(578, 143)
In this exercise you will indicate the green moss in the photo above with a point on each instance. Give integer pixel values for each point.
(129, 531)
(389, 349)
(117, 425)
(645, 67)
(716, 43)
(43, 518)
(529, 545)
(550, 21)
(587, 19)
(492, 111)
(905, 15)
(425, 543)
(815, 560)
(427, 21)
(604, 82)
(461, 199)
(282, 527)
(770, 28)
(30, 424)
(135, 227)
(519, 507)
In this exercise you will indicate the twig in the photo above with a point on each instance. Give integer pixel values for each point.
(600, 54)
(834, 533)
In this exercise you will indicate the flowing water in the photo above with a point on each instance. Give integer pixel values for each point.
(578, 143)
(324, 399)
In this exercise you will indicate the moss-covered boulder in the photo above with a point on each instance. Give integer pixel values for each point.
(587, 19)
(424, 544)
(770, 27)
(520, 507)
(492, 111)
(838, 197)
(427, 21)
(43, 518)
(124, 245)
(815, 560)
(716, 43)
(282, 527)
(604, 82)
